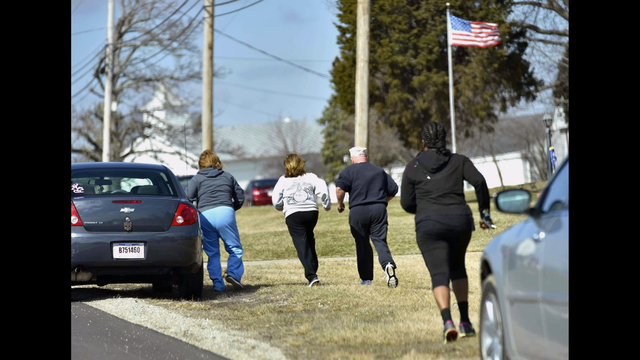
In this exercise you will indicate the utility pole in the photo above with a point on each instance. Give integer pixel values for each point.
(106, 125)
(207, 78)
(362, 75)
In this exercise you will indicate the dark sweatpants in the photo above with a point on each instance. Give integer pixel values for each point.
(301, 225)
(443, 242)
(370, 221)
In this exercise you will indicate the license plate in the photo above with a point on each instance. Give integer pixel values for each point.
(128, 251)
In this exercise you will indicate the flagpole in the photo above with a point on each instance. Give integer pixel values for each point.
(453, 123)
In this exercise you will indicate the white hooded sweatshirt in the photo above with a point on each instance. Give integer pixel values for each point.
(301, 193)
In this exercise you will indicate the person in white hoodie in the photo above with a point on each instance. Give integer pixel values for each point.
(296, 194)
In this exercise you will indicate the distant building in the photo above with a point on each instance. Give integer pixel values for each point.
(254, 151)
(248, 151)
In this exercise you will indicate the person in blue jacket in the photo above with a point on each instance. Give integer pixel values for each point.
(218, 196)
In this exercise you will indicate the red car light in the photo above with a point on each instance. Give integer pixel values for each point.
(185, 215)
(75, 218)
(256, 192)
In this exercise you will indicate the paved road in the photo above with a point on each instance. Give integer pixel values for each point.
(96, 334)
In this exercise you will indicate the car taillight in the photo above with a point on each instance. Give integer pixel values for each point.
(256, 192)
(75, 218)
(185, 215)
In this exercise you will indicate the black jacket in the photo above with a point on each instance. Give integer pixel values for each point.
(432, 185)
(212, 187)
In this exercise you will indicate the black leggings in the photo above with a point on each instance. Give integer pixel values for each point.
(301, 225)
(443, 242)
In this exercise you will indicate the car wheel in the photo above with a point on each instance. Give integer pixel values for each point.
(491, 329)
(191, 285)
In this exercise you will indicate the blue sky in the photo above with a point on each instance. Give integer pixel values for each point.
(257, 88)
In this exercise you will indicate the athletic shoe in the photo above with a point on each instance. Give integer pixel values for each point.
(234, 283)
(392, 280)
(466, 330)
(314, 282)
(449, 333)
(365, 282)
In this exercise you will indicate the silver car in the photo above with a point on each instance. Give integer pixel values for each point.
(524, 311)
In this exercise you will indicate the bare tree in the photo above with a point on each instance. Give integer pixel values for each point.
(289, 137)
(153, 44)
(547, 24)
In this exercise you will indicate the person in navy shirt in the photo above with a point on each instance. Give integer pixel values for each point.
(370, 188)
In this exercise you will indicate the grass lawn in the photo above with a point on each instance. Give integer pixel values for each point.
(339, 319)
(264, 234)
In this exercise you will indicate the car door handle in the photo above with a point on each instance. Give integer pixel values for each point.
(537, 237)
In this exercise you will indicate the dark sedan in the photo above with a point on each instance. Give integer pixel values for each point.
(132, 223)
(258, 192)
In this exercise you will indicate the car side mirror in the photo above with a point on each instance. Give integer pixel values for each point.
(513, 201)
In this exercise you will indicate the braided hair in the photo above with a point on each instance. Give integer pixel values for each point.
(435, 137)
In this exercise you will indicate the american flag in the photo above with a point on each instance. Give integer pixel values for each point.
(473, 33)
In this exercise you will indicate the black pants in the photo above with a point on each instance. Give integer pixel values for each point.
(443, 242)
(370, 221)
(301, 225)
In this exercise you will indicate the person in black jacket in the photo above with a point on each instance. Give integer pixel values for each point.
(433, 189)
(218, 196)
(370, 188)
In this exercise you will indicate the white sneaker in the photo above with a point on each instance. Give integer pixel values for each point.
(392, 280)
(365, 282)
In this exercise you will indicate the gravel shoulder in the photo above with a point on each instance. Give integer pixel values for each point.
(202, 333)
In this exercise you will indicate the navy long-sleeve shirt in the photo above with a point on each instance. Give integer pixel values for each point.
(366, 184)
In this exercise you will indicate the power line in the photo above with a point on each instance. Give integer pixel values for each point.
(170, 42)
(273, 56)
(86, 31)
(271, 91)
(230, 12)
(248, 108)
(265, 59)
(163, 21)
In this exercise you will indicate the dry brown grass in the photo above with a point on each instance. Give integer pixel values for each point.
(339, 319)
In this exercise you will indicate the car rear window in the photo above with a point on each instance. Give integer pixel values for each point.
(265, 183)
(118, 182)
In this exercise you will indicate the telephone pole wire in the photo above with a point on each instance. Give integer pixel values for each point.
(207, 78)
(106, 125)
(362, 75)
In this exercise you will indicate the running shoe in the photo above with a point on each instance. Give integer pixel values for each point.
(466, 330)
(392, 280)
(365, 282)
(449, 334)
(314, 282)
(234, 283)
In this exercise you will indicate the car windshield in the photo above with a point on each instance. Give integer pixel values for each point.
(118, 182)
(265, 183)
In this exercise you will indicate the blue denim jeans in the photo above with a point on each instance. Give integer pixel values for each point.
(220, 223)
